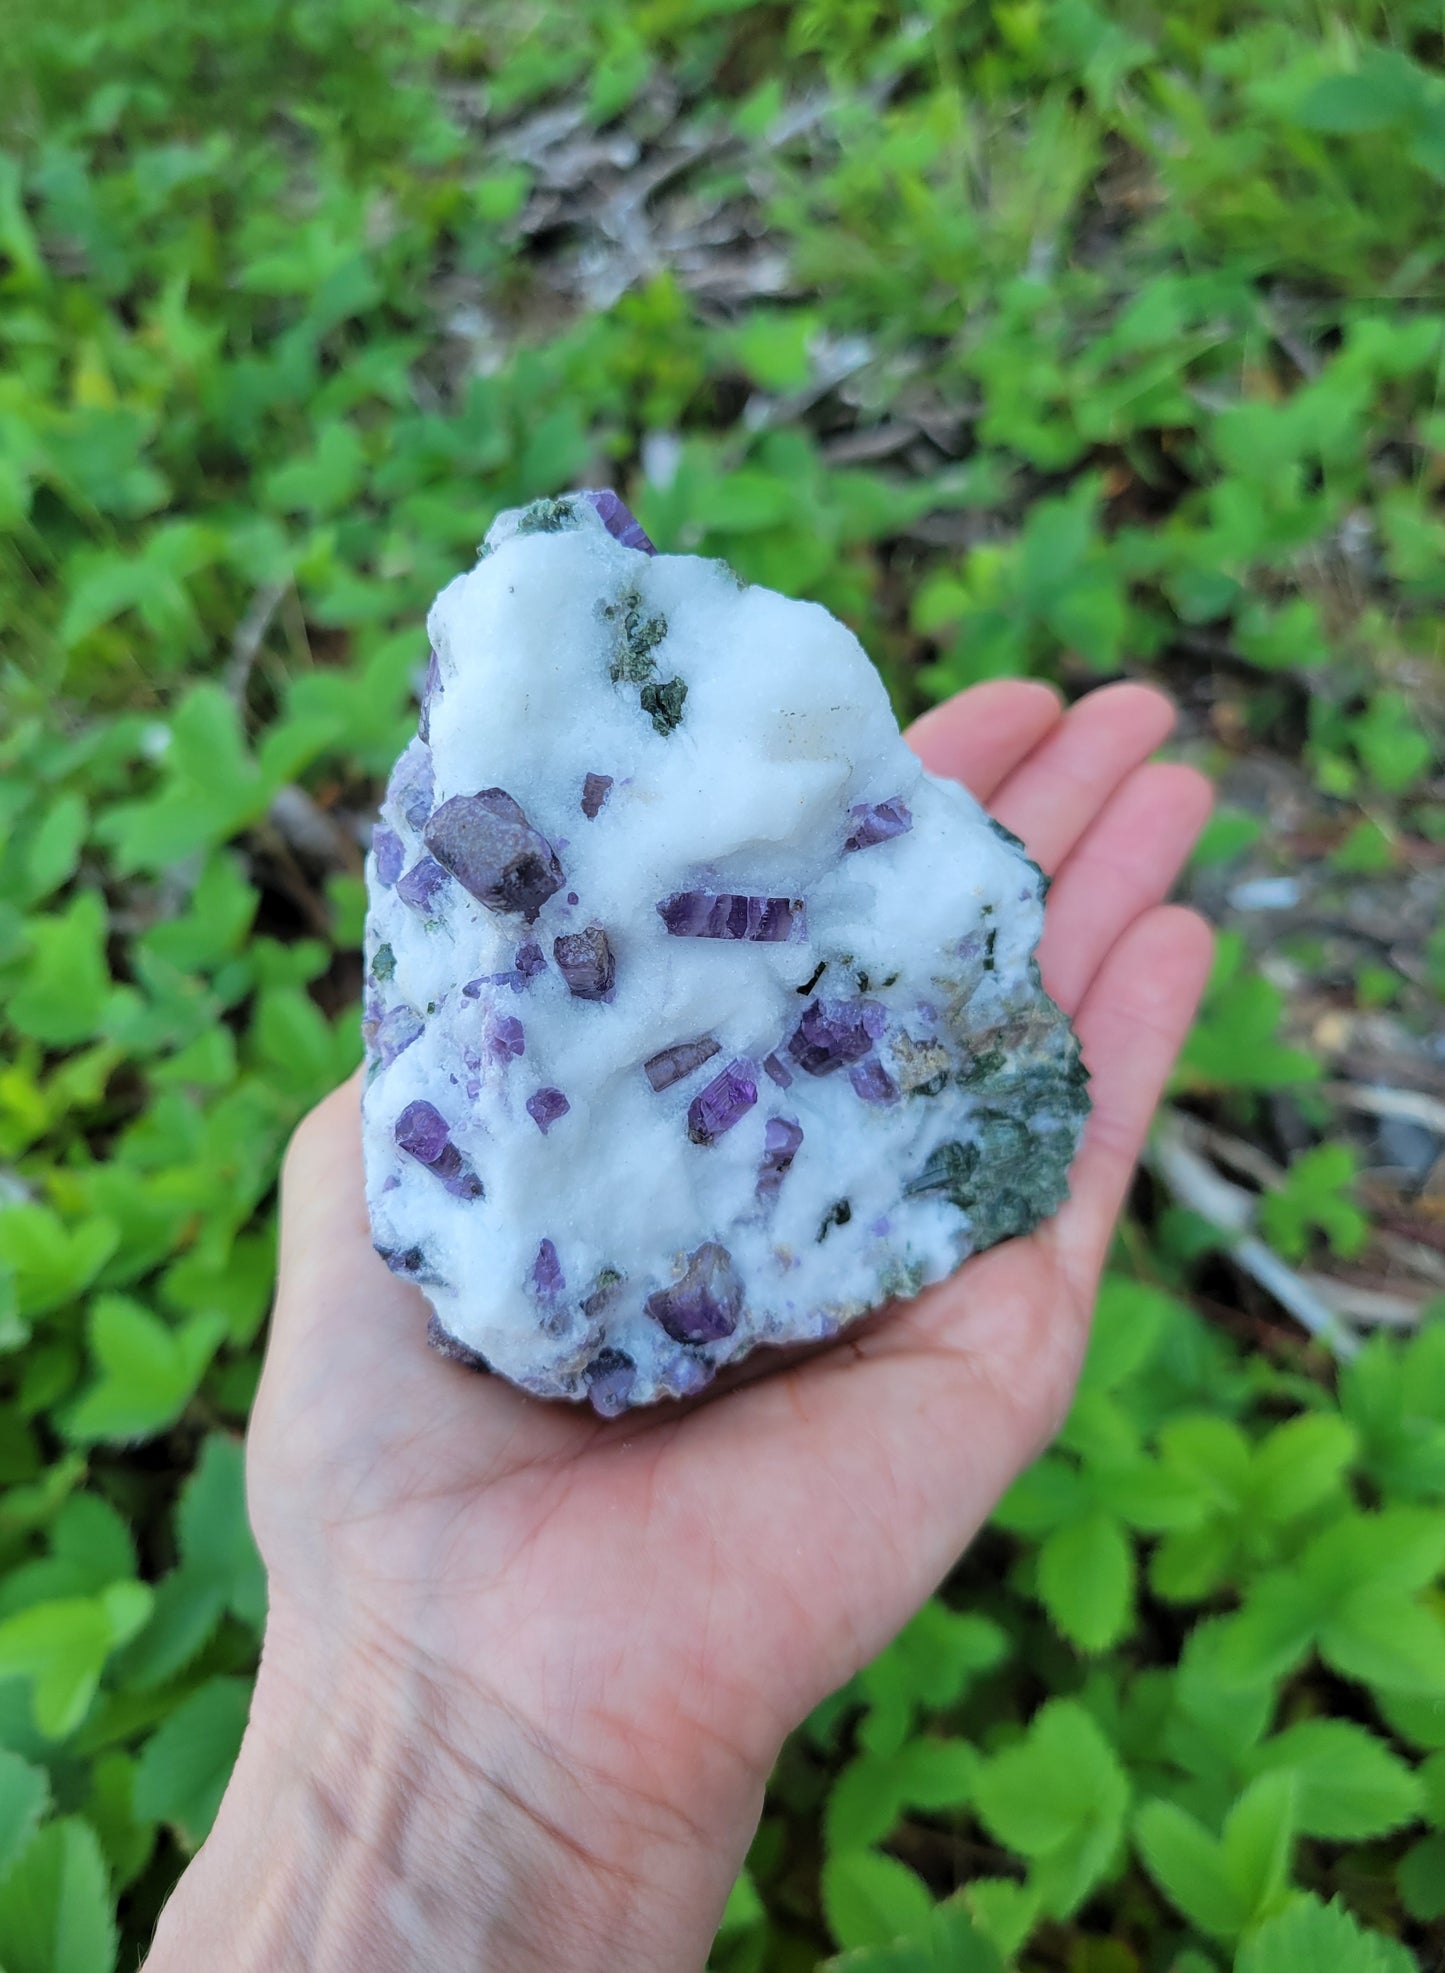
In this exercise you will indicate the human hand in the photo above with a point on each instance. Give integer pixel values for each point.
(526, 1671)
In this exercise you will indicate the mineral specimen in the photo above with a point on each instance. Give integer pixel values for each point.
(698, 1016)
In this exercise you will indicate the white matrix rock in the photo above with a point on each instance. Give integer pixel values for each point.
(698, 1015)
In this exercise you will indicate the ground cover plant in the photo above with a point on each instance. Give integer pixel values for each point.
(1041, 337)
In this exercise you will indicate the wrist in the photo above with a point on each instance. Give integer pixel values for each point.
(377, 1822)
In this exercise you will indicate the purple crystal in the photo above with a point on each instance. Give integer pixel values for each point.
(717, 1108)
(781, 1074)
(420, 885)
(610, 1377)
(705, 1304)
(780, 1146)
(452, 1348)
(670, 1065)
(731, 915)
(410, 787)
(547, 1276)
(505, 1037)
(585, 961)
(405, 1261)
(872, 1081)
(493, 851)
(390, 856)
(530, 961)
(833, 1033)
(878, 822)
(392, 1033)
(617, 519)
(545, 1106)
(595, 790)
(421, 1131)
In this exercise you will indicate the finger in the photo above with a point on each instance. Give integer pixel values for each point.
(980, 736)
(1131, 1025)
(1126, 862)
(1054, 795)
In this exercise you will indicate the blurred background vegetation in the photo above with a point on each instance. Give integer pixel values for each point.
(1035, 337)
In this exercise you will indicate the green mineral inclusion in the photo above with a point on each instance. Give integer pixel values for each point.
(1029, 1088)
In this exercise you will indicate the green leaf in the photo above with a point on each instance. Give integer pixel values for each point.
(1385, 89)
(745, 1910)
(324, 481)
(1309, 1936)
(219, 1570)
(147, 1371)
(185, 1765)
(1059, 1798)
(950, 1942)
(24, 1797)
(1299, 1465)
(929, 1664)
(1258, 1833)
(62, 1648)
(66, 984)
(53, 851)
(1004, 1911)
(55, 1914)
(1189, 1866)
(870, 1899)
(1086, 1580)
(127, 1842)
(1421, 1878)
(1270, 1634)
(1386, 1640)
(1349, 1786)
(874, 1790)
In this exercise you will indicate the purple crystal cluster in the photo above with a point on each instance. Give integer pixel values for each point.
(628, 1117)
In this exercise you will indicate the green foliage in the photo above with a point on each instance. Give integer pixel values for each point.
(1139, 329)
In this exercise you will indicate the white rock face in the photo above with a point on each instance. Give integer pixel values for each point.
(698, 1015)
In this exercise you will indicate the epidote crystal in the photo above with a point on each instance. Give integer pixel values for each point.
(697, 1015)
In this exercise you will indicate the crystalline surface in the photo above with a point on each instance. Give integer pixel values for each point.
(697, 1015)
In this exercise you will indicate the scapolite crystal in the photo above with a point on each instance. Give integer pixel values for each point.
(697, 1015)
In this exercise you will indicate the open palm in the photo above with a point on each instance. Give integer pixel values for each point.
(653, 1602)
